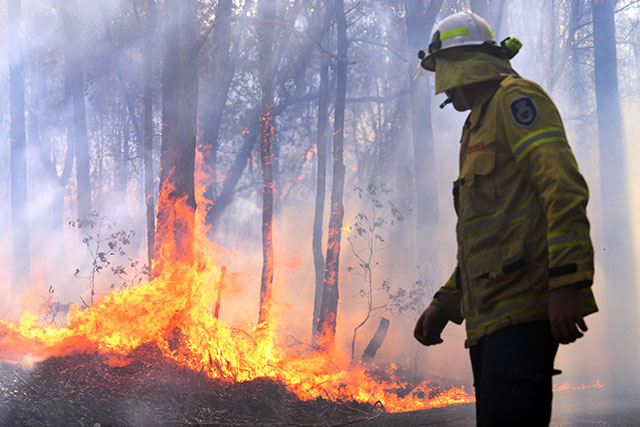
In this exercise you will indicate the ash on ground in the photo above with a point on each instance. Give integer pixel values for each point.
(152, 390)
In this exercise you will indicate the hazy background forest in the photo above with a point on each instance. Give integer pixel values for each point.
(265, 80)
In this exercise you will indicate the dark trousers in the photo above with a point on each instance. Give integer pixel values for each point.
(512, 371)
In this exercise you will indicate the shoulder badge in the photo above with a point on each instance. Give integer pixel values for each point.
(524, 111)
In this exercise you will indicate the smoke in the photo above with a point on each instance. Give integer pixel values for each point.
(378, 150)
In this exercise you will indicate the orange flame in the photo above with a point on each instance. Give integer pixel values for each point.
(568, 386)
(178, 302)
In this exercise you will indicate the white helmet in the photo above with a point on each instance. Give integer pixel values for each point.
(465, 29)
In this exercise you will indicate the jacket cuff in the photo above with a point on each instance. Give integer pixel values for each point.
(451, 308)
(570, 274)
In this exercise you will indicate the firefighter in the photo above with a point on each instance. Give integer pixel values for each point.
(524, 270)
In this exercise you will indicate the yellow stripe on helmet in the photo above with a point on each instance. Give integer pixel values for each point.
(453, 33)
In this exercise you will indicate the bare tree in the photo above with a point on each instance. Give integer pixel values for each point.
(321, 180)
(267, 11)
(147, 73)
(330, 295)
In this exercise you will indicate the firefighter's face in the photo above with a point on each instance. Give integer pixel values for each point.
(461, 101)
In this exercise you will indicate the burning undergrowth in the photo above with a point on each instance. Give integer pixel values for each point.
(172, 315)
(159, 351)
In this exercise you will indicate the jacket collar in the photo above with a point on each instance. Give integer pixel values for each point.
(485, 94)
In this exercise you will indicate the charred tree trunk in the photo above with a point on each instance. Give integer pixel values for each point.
(266, 11)
(147, 58)
(223, 65)
(619, 252)
(321, 184)
(177, 204)
(376, 342)
(330, 294)
(19, 208)
(419, 21)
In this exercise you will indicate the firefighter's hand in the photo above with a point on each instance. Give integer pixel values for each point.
(565, 315)
(430, 325)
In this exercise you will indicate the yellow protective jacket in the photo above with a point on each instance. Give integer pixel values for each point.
(521, 202)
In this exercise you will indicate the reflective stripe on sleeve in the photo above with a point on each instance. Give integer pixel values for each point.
(498, 219)
(454, 32)
(559, 240)
(535, 139)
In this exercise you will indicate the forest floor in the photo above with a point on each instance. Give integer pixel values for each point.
(152, 390)
(88, 390)
(588, 408)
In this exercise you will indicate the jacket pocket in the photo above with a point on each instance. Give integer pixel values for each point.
(498, 274)
(478, 194)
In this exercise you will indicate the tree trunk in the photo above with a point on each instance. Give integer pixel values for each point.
(250, 134)
(223, 65)
(147, 71)
(177, 204)
(266, 10)
(74, 88)
(122, 156)
(40, 141)
(419, 21)
(227, 193)
(330, 294)
(580, 82)
(619, 260)
(19, 208)
(129, 101)
(376, 341)
(321, 183)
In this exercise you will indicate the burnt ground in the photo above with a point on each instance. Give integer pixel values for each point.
(85, 390)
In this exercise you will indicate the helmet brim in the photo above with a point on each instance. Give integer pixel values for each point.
(429, 61)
